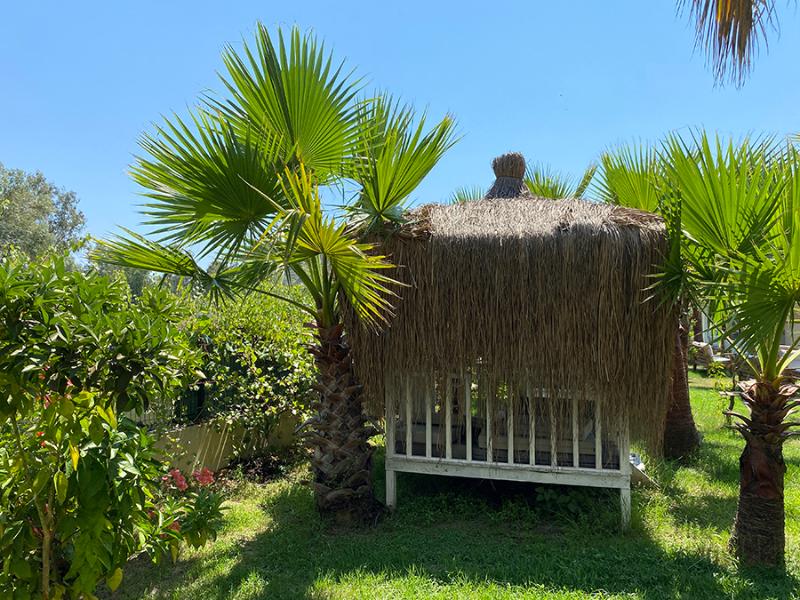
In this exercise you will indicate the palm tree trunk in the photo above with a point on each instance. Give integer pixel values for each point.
(681, 437)
(698, 325)
(758, 531)
(338, 435)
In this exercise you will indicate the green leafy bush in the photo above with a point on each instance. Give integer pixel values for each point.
(256, 361)
(81, 486)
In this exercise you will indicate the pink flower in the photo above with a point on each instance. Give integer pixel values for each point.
(179, 479)
(204, 476)
(69, 382)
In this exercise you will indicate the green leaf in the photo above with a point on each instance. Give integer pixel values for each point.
(113, 580)
(40, 481)
(74, 456)
(61, 483)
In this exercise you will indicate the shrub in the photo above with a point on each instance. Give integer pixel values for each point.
(256, 361)
(81, 487)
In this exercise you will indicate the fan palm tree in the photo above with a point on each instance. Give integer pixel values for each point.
(740, 209)
(241, 183)
(633, 176)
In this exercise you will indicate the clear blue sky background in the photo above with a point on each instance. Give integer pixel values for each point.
(558, 80)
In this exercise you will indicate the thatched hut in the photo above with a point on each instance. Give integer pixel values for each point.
(524, 345)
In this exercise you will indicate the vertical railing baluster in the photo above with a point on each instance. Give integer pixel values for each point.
(531, 427)
(598, 435)
(489, 434)
(448, 417)
(468, 411)
(553, 442)
(575, 433)
(428, 418)
(409, 415)
(510, 422)
(390, 396)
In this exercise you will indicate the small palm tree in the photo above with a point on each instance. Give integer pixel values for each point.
(241, 185)
(633, 176)
(740, 209)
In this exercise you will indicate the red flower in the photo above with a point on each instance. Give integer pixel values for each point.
(204, 476)
(179, 479)
(174, 526)
(39, 433)
(43, 443)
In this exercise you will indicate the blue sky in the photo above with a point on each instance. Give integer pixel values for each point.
(559, 81)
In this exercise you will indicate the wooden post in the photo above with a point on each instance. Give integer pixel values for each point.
(448, 417)
(598, 435)
(409, 438)
(576, 448)
(428, 418)
(625, 505)
(510, 423)
(531, 427)
(625, 468)
(553, 442)
(489, 434)
(389, 396)
(468, 410)
(391, 476)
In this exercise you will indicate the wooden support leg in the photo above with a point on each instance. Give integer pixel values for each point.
(625, 506)
(391, 489)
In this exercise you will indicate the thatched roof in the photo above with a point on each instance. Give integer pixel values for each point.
(548, 290)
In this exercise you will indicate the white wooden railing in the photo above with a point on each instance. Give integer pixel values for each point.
(599, 475)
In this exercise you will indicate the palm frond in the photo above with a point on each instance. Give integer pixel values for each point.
(395, 153)
(467, 194)
(136, 251)
(207, 184)
(731, 32)
(585, 181)
(545, 182)
(730, 194)
(629, 176)
(328, 259)
(294, 92)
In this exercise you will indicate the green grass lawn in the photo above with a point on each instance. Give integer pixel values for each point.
(467, 539)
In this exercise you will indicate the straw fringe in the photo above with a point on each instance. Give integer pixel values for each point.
(546, 291)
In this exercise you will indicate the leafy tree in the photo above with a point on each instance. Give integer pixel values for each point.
(136, 279)
(241, 184)
(83, 487)
(35, 215)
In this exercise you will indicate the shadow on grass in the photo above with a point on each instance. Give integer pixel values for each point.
(455, 531)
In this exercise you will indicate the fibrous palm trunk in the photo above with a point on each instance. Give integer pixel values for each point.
(681, 437)
(338, 434)
(758, 530)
